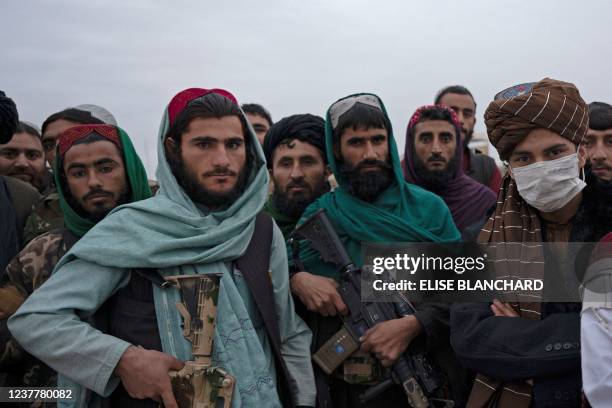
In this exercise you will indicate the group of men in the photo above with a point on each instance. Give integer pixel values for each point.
(85, 302)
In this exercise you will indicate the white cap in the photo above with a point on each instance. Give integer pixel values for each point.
(99, 113)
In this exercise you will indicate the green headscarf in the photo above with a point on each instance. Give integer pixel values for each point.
(402, 213)
(134, 169)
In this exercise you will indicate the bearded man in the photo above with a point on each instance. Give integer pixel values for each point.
(97, 170)
(372, 203)
(433, 160)
(295, 153)
(203, 221)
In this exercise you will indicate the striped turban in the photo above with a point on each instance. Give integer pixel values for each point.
(548, 104)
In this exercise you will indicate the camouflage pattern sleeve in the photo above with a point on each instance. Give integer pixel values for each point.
(46, 216)
(28, 270)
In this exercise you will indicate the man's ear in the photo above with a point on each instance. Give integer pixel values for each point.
(582, 156)
(328, 171)
(170, 146)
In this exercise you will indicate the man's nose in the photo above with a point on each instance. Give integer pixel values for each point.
(296, 172)
(436, 146)
(221, 158)
(599, 152)
(21, 161)
(369, 153)
(94, 181)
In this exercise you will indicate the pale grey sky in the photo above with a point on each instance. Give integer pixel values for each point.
(292, 56)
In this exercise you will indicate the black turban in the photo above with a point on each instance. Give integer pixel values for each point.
(306, 128)
(8, 118)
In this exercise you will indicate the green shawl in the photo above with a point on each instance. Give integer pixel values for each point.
(402, 213)
(136, 174)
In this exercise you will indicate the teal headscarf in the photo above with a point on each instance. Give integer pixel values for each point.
(173, 234)
(402, 213)
(134, 170)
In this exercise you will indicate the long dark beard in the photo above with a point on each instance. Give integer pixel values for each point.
(201, 195)
(294, 207)
(367, 186)
(435, 180)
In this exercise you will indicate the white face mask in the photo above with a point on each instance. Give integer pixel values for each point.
(549, 185)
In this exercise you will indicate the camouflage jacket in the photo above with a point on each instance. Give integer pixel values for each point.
(46, 216)
(25, 273)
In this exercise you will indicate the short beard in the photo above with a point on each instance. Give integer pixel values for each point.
(201, 195)
(435, 180)
(294, 207)
(100, 212)
(367, 186)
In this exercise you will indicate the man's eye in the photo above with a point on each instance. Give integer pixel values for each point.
(8, 154)
(234, 145)
(554, 153)
(77, 173)
(587, 143)
(106, 169)
(204, 145)
(521, 159)
(48, 145)
(355, 142)
(446, 139)
(467, 115)
(425, 139)
(33, 155)
(378, 140)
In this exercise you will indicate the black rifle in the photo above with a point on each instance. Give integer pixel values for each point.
(412, 372)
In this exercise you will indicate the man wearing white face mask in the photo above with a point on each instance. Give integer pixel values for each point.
(527, 353)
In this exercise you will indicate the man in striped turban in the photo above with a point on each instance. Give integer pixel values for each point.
(527, 351)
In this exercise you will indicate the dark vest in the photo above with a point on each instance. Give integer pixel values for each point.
(130, 313)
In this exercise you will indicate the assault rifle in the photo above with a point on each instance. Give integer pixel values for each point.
(412, 371)
(199, 384)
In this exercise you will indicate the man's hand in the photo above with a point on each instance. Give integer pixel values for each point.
(503, 309)
(318, 293)
(144, 374)
(388, 340)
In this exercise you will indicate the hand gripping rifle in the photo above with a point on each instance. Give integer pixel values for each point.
(199, 384)
(412, 372)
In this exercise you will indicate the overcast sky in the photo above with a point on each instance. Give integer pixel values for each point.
(292, 56)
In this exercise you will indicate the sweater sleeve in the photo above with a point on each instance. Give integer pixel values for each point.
(49, 324)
